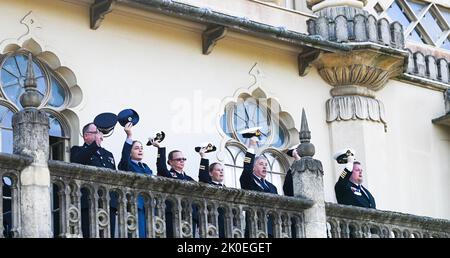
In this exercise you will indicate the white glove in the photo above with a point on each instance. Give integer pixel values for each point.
(349, 165)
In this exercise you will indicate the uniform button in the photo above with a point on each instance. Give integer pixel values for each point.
(104, 164)
(101, 157)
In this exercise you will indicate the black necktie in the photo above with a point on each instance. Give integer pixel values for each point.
(264, 185)
(140, 164)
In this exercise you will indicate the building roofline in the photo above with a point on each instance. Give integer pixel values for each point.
(240, 24)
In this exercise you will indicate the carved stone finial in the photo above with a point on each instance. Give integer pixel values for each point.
(305, 149)
(30, 98)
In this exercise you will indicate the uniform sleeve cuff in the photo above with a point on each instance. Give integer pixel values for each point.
(129, 141)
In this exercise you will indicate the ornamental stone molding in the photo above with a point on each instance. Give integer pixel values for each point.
(367, 68)
(377, 55)
(343, 108)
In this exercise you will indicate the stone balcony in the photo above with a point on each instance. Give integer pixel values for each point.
(241, 209)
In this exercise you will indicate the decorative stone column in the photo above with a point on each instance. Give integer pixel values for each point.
(307, 178)
(30, 136)
(356, 118)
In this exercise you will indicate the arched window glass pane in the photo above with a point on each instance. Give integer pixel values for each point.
(13, 77)
(6, 129)
(278, 137)
(233, 166)
(55, 126)
(224, 124)
(58, 94)
(249, 114)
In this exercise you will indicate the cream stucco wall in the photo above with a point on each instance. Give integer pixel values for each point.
(154, 65)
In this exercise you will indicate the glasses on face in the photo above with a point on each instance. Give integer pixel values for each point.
(180, 159)
(93, 132)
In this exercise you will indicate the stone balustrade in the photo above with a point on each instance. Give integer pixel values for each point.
(427, 66)
(345, 25)
(348, 222)
(186, 200)
(10, 167)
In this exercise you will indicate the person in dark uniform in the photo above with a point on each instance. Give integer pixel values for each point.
(255, 170)
(288, 187)
(92, 154)
(348, 188)
(176, 162)
(132, 155)
(254, 178)
(212, 174)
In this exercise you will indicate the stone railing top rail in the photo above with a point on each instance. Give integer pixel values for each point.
(386, 217)
(63, 170)
(14, 162)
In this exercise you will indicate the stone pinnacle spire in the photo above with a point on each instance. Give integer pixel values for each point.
(30, 98)
(305, 149)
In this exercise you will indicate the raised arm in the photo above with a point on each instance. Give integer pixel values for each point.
(343, 181)
(203, 171)
(247, 173)
(124, 163)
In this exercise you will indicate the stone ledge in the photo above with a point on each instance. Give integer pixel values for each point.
(427, 66)
(14, 162)
(442, 120)
(387, 217)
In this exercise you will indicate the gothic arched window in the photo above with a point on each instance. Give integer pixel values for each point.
(252, 111)
(54, 98)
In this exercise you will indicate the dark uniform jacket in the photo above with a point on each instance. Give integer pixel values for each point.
(203, 173)
(288, 187)
(92, 155)
(349, 193)
(249, 180)
(162, 168)
(126, 164)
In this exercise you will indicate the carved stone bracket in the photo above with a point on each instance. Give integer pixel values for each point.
(305, 58)
(98, 10)
(210, 37)
(365, 67)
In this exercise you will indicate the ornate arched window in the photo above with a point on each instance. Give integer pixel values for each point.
(256, 110)
(54, 93)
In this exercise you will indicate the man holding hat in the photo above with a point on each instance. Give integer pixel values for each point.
(91, 153)
(348, 189)
(255, 170)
